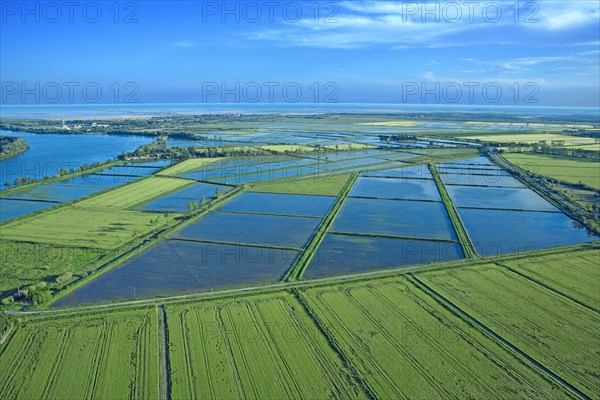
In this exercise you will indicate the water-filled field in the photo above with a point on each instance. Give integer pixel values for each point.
(175, 266)
(498, 231)
(54, 192)
(99, 180)
(411, 172)
(391, 188)
(255, 169)
(251, 229)
(346, 254)
(470, 179)
(71, 188)
(493, 197)
(456, 169)
(412, 219)
(10, 209)
(477, 161)
(285, 204)
(178, 200)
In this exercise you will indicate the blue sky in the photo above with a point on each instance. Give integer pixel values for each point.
(537, 53)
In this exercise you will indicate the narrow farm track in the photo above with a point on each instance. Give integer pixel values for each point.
(164, 386)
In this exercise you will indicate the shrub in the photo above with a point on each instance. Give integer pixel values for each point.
(8, 300)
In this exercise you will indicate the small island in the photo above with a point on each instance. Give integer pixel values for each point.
(11, 146)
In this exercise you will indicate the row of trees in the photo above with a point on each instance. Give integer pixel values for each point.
(196, 205)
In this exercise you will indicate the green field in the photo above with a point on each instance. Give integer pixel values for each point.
(329, 185)
(259, 347)
(136, 193)
(103, 356)
(552, 329)
(562, 169)
(405, 345)
(576, 277)
(88, 227)
(188, 165)
(25, 264)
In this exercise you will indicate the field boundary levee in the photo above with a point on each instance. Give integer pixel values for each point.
(459, 228)
(330, 338)
(297, 269)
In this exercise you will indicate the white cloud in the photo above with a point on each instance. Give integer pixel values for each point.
(401, 25)
(563, 15)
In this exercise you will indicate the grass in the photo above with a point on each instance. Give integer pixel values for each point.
(328, 185)
(563, 169)
(87, 227)
(549, 327)
(103, 356)
(135, 193)
(25, 264)
(405, 345)
(258, 347)
(188, 165)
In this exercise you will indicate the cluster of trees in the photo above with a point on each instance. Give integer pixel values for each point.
(181, 153)
(552, 148)
(11, 146)
(37, 294)
(396, 138)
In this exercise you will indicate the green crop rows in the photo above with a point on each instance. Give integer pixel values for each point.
(266, 347)
(104, 356)
(551, 328)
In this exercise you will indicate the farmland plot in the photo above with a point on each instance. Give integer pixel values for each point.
(392, 188)
(258, 347)
(102, 228)
(575, 275)
(412, 219)
(347, 254)
(251, 229)
(105, 357)
(282, 204)
(173, 267)
(135, 193)
(178, 200)
(405, 345)
(495, 232)
(555, 331)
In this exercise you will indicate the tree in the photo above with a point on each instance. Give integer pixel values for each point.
(193, 206)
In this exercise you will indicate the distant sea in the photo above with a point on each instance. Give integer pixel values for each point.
(139, 110)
